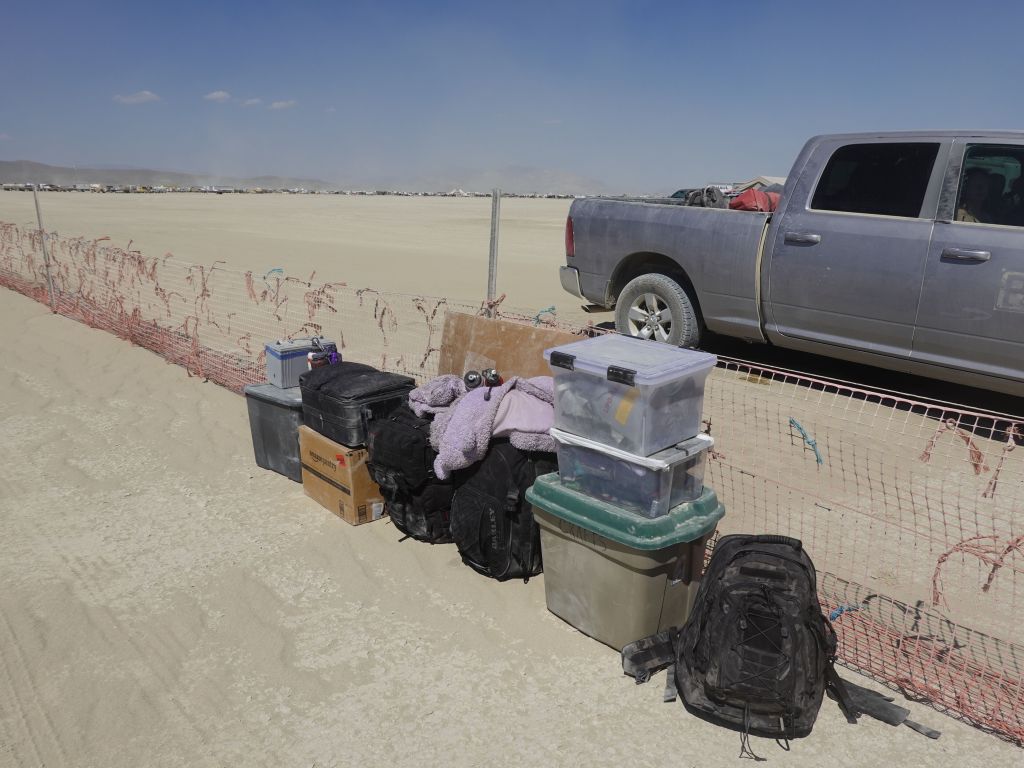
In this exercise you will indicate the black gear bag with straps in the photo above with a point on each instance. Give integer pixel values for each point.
(756, 653)
(492, 523)
(401, 462)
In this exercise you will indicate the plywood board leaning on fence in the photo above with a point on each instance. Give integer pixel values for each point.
(472, 343)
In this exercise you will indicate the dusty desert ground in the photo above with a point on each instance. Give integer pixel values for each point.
(166, 602)
(424, 245)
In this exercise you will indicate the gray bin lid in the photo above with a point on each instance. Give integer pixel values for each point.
(269, 393)
(684, 523)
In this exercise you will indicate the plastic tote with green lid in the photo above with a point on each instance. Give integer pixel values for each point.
(612, 574)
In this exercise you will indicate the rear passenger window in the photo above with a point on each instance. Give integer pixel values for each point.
(880, 179)
(992, 186)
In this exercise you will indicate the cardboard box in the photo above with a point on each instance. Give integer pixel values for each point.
(337, 477)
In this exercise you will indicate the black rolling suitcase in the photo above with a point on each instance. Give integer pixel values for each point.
(339, 400)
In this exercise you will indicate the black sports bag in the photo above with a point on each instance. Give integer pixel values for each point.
(401, 462)
(492, 524)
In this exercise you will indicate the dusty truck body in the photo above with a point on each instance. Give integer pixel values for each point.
(901, 250)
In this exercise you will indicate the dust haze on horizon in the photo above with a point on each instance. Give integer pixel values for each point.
(618, 97)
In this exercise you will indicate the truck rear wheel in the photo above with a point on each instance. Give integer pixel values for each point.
(656, 307)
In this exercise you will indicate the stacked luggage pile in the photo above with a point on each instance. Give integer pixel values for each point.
(599, 468)
(309, 424)
(625, 522)
(363, 449)
(450, 470)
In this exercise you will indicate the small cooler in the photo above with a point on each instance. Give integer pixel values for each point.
(647, 485)
(613, 575)
(632, 394)
(275, 415)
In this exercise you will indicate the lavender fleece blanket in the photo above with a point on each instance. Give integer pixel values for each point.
(436, 394)
(461, 434)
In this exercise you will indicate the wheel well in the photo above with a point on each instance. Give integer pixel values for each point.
(645, 263)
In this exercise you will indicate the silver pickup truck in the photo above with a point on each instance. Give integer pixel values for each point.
(901, 250)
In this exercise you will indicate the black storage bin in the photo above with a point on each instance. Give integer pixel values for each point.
(275, 416)
(339, 400)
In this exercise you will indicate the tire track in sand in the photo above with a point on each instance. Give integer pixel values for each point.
(117, 636)
(30, 690)
(154, 656)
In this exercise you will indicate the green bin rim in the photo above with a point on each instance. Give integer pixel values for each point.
(685, 523)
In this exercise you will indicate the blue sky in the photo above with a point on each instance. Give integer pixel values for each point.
(641, 96)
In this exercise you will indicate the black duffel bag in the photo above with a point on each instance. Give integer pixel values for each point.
(492, 523)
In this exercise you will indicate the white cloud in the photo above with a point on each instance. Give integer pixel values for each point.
(219, 96)
(5, 136)
(282, 104)
(331, 109)
(139, 97)
(252, 102)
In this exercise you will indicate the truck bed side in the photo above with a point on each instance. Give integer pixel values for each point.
(715, 250)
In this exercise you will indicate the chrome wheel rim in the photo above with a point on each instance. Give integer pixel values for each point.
(649, 317)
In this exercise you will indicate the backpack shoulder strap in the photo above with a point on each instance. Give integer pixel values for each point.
(644, 657)
(864, 701)
(836, 687)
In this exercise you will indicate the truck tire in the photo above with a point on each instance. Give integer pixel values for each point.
(655, 306)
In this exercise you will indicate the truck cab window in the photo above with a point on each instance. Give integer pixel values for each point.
(991, 186)
(878, 179)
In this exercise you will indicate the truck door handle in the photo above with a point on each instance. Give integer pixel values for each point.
(965, 254)
(802, 238)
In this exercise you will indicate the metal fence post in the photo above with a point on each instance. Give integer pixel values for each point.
(46, 251)
(492, 267)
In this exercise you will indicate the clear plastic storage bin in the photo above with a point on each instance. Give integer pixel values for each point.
(632, 394)
(645, 485)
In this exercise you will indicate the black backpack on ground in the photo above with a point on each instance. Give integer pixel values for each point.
(401, 462)
(756, 650)
(492, 524)
(756, 653)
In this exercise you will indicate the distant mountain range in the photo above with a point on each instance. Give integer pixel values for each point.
(514, 179)
(27, 172)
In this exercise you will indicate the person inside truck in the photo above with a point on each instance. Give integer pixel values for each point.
(1015, 203)
(973, 197)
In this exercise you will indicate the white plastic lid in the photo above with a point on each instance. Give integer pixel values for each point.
(646, 363)
(660, 460)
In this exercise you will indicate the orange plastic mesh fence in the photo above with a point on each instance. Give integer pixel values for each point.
(215, 321)
(913, 513)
